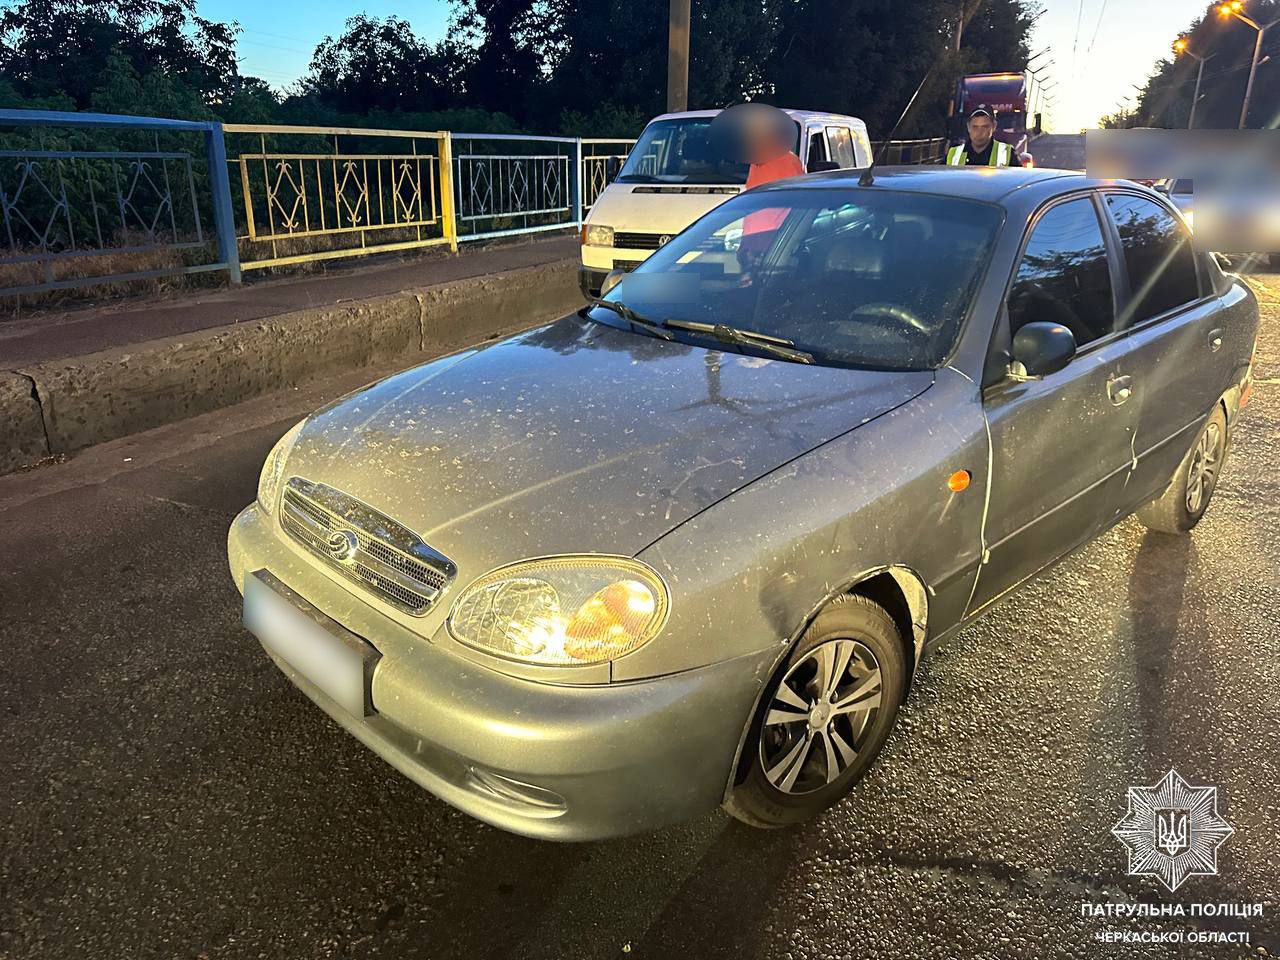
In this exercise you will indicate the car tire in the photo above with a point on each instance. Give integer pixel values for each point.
(789, 775)
(1191, 488)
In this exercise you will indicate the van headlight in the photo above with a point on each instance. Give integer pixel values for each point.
(597, 236)
(562, 611)
(273, 468)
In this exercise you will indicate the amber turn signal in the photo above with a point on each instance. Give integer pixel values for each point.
(958, 481)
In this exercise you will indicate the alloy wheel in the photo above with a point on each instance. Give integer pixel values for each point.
(820, 715)
(1202, 472)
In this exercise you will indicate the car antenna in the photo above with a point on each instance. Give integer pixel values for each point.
(868, 175)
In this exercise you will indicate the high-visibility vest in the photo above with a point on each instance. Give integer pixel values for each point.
(1001, 153)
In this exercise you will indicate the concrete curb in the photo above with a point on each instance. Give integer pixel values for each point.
(80, 401)
(22, 436)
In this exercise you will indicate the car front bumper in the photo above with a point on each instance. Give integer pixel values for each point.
(566, 762)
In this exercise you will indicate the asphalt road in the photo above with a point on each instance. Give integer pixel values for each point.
(166, 793)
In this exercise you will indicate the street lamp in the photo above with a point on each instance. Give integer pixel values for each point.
(1232, 9)
(1179, 47)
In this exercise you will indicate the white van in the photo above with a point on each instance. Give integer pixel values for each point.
(674, 175)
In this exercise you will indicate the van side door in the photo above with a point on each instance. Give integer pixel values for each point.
(840, 144)
(815, 150)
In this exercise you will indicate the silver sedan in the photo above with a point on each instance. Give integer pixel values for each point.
(688, 547)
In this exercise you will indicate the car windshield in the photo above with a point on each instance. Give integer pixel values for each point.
(868, 278)
(681, 151)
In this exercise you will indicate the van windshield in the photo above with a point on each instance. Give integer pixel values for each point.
(681, 151)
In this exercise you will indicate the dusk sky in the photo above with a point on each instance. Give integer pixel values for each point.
(1100, 48)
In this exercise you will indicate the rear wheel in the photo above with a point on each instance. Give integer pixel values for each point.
(825, 719)
(1188, 495)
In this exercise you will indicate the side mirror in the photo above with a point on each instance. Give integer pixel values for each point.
(821, 166)
(611, 167)
(611, 280)
(1042, 348)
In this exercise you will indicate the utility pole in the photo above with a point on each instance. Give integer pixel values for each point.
(678, 57)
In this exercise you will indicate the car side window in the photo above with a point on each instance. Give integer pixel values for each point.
(1064, 276)
(841, 146)
(1157, 255)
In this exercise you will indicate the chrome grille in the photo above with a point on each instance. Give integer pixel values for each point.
(364, 545)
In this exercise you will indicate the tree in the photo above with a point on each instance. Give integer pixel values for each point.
(867, 59)
(569, 62)
(66, 47)
(1166, 100)
(509, 39)
(380, 65)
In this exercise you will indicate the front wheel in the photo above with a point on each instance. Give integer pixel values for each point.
(1187, 498)
(826, 717)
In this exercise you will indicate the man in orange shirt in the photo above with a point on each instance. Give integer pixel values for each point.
(769, 150)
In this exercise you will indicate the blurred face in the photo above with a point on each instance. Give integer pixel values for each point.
(980, 131)
(763, 143)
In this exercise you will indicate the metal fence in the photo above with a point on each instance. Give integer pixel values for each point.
(320, 193)
(94, 193)
(508, 184)
(594, 158)
(96, 198)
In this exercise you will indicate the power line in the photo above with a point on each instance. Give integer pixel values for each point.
(1076, 42)
(1096, 27)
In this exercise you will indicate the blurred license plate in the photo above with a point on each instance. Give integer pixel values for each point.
(331, 657)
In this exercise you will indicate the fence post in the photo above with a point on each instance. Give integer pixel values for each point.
(448, 219)
(224, 220)
(577, 180)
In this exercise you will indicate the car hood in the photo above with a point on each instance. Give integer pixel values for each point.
(577, 437)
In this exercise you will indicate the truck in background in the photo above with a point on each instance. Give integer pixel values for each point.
(1016, 98)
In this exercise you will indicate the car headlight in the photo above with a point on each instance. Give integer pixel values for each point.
(562, 611)
(597, 236)
(273, 468)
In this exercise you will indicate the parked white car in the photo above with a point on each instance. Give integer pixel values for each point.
(675, 174)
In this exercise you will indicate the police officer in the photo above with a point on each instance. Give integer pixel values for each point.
(981, 149)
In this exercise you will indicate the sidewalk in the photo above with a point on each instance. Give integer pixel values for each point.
(53, 336)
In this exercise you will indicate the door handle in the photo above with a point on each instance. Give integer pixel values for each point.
(1215, 339)
(1119, 390)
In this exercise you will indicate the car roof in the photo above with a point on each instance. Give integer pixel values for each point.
(990, 184)
(794, 114)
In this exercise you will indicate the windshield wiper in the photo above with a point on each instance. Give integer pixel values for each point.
(658, 327)
(764, 342)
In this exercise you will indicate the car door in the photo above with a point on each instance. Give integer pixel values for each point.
(1060, 445)
(1176, 338)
